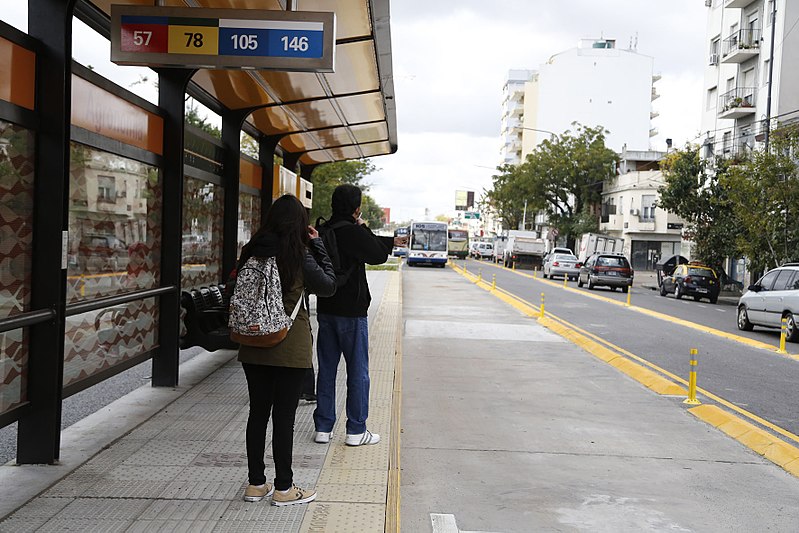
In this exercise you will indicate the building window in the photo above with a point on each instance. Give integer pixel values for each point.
(648, 207)
(106, 189)
(764, 82)
(712, 98)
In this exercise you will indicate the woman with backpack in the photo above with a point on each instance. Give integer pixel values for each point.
(275, 374)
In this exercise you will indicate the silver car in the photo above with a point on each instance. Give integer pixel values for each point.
(773, 297)
(561, 265)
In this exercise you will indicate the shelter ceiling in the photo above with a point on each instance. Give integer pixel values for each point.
(316, 114)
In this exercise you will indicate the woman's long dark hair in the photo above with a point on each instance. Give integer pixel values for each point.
(288, 221)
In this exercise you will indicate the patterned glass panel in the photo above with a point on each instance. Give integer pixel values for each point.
(13, 368)
(16, 218)
(249, 218)
(203, 205)
(100, 339)
(114, 225)
(16, 236)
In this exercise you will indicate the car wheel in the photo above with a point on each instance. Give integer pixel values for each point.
(625, 289)
(579, 281)
(714, 299)
(677, 291)
(791, 331)
(544, 274)
(743, 320)
(697, 298)
(663, 289)
(590, 283)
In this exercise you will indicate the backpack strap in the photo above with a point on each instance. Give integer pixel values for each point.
(297, 307)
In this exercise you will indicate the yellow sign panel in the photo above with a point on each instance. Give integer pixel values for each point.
(203, 40)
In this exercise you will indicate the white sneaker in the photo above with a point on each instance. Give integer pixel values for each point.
(322, 437)
(362, 438)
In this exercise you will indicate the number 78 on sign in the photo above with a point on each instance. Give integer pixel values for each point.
(221, 37)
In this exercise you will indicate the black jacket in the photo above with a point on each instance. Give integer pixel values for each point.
(357, 246)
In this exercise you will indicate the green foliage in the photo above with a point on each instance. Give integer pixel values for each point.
(765, 194)
(327, 177)
(193, 118)
(562, 176)
(705, 200)
(249, 145)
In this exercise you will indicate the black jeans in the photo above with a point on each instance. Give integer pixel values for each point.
(275, 390)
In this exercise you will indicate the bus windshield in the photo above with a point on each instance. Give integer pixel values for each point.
(457, 235)
(429, 237)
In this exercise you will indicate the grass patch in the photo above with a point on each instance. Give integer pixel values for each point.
(384, 266)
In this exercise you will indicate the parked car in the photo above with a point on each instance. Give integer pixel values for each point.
(561, 265)
(557, 250)
(400, 251)
(483, 250)
(773, 297)
(608, 270)
(693, 279)
(102, 253)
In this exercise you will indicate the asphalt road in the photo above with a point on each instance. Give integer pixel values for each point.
(755, 379)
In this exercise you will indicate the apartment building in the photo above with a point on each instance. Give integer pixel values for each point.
(749, 77)
(595, 83)
(629, 211)
(512, 115)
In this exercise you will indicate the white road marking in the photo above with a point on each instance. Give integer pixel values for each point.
(445, 523)
(721, 310)
(702, 306)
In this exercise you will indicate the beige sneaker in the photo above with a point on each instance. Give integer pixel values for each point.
(254, 493)
(293, 495)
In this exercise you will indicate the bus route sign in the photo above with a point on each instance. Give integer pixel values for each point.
(222, 38)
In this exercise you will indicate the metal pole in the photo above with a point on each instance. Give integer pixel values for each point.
(692, 379)
(770, 73)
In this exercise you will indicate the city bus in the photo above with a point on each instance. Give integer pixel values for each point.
(458, 243)
(427, 244)
(401, 250)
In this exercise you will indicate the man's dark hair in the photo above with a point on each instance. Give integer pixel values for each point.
(346, 199)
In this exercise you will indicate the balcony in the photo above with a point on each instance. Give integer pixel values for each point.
(740, 46)
(737, 103)
(738, 3)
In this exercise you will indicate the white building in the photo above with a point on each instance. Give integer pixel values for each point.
(512, 111)
(739, 42)
(628, 211)
(593, 84)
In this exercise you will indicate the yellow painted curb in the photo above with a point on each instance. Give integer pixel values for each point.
(754, 438)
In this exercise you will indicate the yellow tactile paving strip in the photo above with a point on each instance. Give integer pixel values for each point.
(354, 481)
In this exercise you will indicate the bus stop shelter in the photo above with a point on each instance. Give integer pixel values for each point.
(112, 206)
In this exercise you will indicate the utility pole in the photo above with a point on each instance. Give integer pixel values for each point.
(770, 72)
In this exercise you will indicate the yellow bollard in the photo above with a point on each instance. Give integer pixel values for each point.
(479, 275)
(82, 285)
(514, 265)
(493, 282)
(783, 335)
(629, 295)
(541, 309)
(565, 281)
(535, 272)
(692, 380)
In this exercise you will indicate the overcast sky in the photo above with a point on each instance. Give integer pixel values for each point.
(451, 59)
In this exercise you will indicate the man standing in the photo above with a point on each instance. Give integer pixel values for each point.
(343, 325)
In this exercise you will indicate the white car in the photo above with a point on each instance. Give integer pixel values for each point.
(562, 265)
(773, 297)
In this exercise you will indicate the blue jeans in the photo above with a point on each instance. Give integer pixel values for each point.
(350, 336)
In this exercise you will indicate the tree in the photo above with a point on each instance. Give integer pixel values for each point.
(506, 198)
(327, 177)
(563, 176)
(704, 200)
(764, 192)
(193, 118)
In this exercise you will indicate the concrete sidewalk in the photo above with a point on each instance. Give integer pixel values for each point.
(175, 460)
(508, 427)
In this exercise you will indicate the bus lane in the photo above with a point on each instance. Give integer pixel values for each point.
(745, 371)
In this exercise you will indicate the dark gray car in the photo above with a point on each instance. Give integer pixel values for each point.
(773, 297)
(605, 269)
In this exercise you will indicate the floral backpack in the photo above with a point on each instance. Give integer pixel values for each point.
(257, 315)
